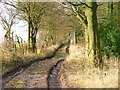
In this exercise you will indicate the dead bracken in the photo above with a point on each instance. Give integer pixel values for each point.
(77, 73)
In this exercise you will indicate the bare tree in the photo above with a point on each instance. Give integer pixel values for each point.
(86, 13)
(31, 12)
(7, 17)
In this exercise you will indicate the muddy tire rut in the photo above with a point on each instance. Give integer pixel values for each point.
(53, 79)
(37, 74)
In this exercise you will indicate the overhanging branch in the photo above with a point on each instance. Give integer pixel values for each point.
(80, 16)
(78, 4)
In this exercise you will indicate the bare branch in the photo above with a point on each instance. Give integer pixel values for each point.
(79, 4)
(12, 5)
(80, 16)
(100, 4)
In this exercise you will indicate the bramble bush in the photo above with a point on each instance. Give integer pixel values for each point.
(110, 38)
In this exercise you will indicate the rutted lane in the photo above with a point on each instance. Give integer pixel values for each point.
(53, 76)
(35, 76)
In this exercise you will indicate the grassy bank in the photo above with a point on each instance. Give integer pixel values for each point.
(76, 72)
(11, 59)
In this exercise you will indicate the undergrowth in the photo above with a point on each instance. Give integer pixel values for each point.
(76, 72)
(13, 59)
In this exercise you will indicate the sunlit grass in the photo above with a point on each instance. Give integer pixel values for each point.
(82, 76)
(76, 72)
(13, 59)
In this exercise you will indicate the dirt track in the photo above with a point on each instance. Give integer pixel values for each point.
(36, 75)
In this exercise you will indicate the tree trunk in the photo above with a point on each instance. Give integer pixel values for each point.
(110, 14)
(34, 49)
(118, 6)
(86, 42)
(8, 39)
(29, 38)
(72, 38)
(84, 23)
(94, 55)
(110, 10)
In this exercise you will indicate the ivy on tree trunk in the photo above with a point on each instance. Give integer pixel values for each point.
(94, 55)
